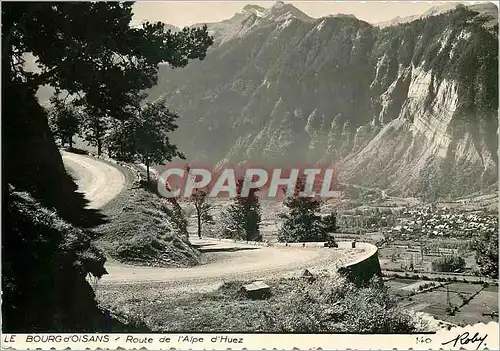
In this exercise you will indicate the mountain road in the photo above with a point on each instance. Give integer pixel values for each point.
(101, 182)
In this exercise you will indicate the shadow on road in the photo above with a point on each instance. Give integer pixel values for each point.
(77, 213)
(75, 209)
(226, 249)
(197, 245)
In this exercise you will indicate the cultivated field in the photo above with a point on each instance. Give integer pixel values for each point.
(457, 303)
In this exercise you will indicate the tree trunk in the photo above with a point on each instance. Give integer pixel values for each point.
(198, 214)
(147, 167)
(247, 232)
(70, 142)
(99, 147)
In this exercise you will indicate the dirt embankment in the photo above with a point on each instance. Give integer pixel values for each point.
(140, 227)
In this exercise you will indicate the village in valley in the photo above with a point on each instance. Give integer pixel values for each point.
(428, 252)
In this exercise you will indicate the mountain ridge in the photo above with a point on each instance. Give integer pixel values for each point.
(486, 8)
(410, 108)
(252, 15)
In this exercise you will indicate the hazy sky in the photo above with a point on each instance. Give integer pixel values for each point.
(182, 13)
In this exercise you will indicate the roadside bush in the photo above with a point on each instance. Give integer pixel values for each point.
(231, 289)
(449, 263)
(177, 216)
(451, 310)
(334, 305)
(226, 228)
(330, 304)
(486, 248)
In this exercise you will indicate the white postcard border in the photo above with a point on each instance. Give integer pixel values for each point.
(472, 337)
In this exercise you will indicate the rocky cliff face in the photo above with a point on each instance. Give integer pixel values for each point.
(410, 107)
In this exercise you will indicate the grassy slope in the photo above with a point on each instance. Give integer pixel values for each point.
(142, 228)
(145, 229)
(330, 304)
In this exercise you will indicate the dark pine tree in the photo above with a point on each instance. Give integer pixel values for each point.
(244, 215)
(303, 221)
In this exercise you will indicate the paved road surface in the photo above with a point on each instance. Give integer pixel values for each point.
(99, 181)
(235, 261)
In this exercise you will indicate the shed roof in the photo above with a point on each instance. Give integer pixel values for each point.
(257, 285)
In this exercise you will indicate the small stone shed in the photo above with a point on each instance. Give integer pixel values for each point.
(257, 290)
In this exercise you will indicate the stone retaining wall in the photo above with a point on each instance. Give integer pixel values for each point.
(363, 269)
